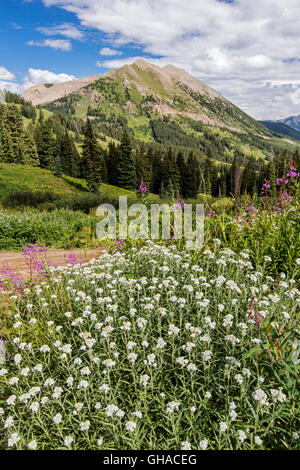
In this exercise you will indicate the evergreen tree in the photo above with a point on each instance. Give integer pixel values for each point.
(30, 151)
(69, 156)
(45, 144)
(156, 174)
(143, 165)
(6, 148)
(112, 164)
(126, 169)
(170, 171)
(248, 178)
(191, 177)
(234, 178)
(15, 125)
(92, 159)
(182, 172)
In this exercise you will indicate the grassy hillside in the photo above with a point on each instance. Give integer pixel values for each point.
(21, 177)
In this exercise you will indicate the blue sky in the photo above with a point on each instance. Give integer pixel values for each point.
(20, 23)
(247, 52)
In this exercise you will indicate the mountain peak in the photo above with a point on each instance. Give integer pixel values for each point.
(141, 92)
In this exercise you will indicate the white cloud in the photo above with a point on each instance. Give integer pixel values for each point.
(63, 44)
(107, 51)
(11, 86)
(244, 50)
(116, 63)
(65, 29)
(45, 76)
(282, 83)
(258, 62)
(295, 96)
(6, 74)
(217, 42)
(34, 77)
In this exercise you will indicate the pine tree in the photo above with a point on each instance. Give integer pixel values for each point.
(126, 169)
(112, 164)
(6, 148)
(170, 171)
(30, 151)
(235, 178)
(15, 125)
(191, 177)
(156, 174)
(248, 178)
(69, 156)
(182, 173)
(92, 161)
(143, 165)
(45, 144)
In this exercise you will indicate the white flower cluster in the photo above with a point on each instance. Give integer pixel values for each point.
(134, 343)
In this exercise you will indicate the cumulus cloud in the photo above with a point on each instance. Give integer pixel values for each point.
(6, 82)
(36, 76)
(11, 86)
(295, 96)
(67, 30)
(116, 63)
(216, 41)
(33, 77)
(63, 44)
(107, 51)
(6, 74)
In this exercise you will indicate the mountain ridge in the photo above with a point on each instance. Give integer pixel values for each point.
(165, 104)
(45, 92)
(281, 128)
(292, 121)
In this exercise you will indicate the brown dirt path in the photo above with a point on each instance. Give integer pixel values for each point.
(17, 263)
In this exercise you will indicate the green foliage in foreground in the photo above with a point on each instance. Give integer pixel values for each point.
(25, 178)
(58, 229)
(158, 349)
(263, 233)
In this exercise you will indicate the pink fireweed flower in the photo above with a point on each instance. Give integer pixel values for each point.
(265, 187)
(179, 201)
(142, 188)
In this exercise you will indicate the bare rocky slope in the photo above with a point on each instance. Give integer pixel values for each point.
(44, 93)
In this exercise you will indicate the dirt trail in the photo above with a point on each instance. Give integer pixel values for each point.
(17, 263)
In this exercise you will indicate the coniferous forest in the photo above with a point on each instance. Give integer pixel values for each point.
(72, 147)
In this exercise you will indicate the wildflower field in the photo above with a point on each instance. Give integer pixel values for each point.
(154, 349)
(153, 346)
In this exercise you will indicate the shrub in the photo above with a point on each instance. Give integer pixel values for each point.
(18, 198)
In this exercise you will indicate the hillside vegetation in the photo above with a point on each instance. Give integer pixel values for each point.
(166, 106)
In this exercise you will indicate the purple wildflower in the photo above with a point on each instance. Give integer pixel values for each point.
(142, 188)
